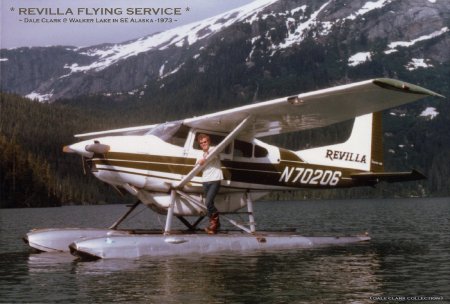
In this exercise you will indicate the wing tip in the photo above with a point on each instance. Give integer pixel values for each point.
(398, 85)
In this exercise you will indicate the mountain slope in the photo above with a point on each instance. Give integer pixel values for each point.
(351, 32)
(82, 70)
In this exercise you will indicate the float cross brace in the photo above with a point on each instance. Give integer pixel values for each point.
(251, 229)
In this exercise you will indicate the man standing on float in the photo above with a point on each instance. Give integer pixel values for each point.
(212, 175)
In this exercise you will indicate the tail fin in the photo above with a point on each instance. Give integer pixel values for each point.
(363, 150)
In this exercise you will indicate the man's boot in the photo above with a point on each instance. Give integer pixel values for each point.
(214, 224)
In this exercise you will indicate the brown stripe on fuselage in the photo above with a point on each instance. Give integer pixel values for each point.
(151, 158)
(238, 171)
(255, 173)
(149, 166)
(151, 162)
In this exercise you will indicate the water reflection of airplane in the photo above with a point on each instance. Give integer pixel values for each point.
(320, 275)
(157, 165)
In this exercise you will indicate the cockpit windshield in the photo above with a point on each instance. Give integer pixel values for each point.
(166, 130)
(173, 132)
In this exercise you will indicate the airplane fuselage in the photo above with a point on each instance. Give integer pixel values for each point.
(278, 169)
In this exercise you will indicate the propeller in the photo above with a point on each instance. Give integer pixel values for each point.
(83, 162)
(87, 151)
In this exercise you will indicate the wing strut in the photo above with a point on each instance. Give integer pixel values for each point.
(218, 149)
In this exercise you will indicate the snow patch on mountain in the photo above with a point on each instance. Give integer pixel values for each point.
(161, 69)
(176, 37)
(394, 45)
(416, 63)
(40, 97)
(300, 8)
(171, 72)
(430, 113)
(298, 34)
(359, 58)
(369, 6)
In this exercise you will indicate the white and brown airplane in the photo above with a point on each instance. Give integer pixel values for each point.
(157, 164)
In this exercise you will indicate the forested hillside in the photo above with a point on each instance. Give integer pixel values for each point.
(251, 54)
(34, 170)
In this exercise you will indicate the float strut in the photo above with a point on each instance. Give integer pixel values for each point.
(120, 220)
(173, 195)
(251, 218)
(190, 226)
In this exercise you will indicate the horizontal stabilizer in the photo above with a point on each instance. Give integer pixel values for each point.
(390, 177)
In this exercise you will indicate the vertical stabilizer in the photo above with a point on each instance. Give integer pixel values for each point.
(363, 150)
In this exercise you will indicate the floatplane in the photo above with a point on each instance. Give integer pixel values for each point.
(157, 165)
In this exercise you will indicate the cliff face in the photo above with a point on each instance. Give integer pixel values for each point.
(352, 31)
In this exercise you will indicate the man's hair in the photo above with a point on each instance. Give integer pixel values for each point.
(202, 135)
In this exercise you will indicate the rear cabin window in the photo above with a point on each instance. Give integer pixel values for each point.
(260, 151)
(242, 149)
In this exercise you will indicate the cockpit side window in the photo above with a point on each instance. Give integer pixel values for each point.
(215, 140)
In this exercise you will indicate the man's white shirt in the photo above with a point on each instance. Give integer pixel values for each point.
(213, 170)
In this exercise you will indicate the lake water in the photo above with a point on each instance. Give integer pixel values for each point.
(407, 260)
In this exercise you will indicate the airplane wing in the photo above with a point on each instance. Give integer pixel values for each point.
(314, 109)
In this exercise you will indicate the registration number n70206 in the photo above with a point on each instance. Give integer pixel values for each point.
(310, 176)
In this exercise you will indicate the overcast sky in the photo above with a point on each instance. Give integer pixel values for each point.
(27, 22)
